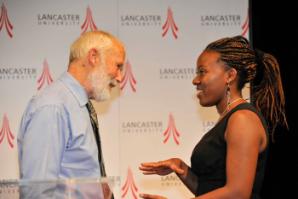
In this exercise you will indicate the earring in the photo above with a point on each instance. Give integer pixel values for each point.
(228, 93)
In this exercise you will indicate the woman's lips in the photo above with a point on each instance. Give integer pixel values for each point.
(199, 93)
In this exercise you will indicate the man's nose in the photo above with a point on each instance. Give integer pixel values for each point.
(118, 76)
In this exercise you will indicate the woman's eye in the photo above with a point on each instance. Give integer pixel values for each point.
(200, 72)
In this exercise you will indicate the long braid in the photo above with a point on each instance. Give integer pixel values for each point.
(261, 70)
(267, 90)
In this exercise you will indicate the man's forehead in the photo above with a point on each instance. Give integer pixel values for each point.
(120, 52)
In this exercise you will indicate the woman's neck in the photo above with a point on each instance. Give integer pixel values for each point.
(230, 105)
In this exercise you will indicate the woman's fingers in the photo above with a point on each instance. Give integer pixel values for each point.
(151, 196)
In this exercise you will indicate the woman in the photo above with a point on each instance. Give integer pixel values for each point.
(229, 161)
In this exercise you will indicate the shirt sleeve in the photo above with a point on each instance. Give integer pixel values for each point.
(44, 140)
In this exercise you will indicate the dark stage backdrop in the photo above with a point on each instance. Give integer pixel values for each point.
(274, 29)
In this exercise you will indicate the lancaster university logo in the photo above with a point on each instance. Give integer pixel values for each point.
(170, 181)
(129, 184)
(6, 132)
(170, 23)
(176, 73)
(171, 130)
(245, 26)
(4, 21)
(88, 23)
(142, 127)
(220, 20)
(45, 77)
(17, 73)
(128, 77)
(208, 125)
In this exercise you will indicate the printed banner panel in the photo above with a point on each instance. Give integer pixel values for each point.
(154, 113)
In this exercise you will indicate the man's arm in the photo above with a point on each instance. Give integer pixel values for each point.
(44, 138)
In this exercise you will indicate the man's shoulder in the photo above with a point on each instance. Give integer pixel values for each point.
(54, 94)
(60, 94)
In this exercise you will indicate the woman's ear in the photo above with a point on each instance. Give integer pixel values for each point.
(232, 75)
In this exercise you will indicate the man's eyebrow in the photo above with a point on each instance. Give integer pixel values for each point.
(120, 66)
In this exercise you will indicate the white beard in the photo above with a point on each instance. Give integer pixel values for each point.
(100, 84)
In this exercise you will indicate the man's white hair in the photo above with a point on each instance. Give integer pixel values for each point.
(99, 40)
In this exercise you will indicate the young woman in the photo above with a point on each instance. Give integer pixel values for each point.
(229, 161)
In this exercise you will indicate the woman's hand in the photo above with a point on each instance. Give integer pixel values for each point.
(164, 167)
(150, 196)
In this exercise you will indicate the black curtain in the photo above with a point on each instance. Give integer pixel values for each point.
(274, 29)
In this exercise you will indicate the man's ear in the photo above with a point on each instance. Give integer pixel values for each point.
(93, 56)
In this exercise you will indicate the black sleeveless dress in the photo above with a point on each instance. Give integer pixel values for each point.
(208, 160)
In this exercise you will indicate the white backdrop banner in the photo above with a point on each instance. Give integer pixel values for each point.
(154, 113)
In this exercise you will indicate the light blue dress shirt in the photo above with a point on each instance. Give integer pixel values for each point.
(56, 138)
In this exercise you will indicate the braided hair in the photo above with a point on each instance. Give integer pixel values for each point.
(261, 70)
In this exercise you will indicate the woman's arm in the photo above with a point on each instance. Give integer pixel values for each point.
(166, 167)
(246, 138)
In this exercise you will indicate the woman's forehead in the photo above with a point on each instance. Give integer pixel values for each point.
(207, 58)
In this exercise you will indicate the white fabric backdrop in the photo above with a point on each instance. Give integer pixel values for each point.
(155, 115)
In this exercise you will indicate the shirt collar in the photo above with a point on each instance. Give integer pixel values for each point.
(75, 88)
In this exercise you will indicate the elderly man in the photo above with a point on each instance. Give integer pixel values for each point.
(58, 139)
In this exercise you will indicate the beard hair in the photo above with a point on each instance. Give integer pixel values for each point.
(100, 83)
